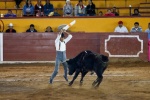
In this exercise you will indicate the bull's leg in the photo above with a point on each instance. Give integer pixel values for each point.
(74, 77)
(99, 79)
(82, 76)
(95, 82)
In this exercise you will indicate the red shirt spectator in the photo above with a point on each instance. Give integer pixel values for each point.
(109, 13)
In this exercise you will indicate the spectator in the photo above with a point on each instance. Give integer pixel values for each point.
(90, 9)
(136, 12)
(68, 9)
(120, 28)
(114, 11)
(28, 8)
(39, 9)
(10, 29)
(79, 9)
(10, 14)
(100, 13)
(48, 8)
(109, 13)
(31, 29)
(136, 28)
(148, 30)
(18, 3)
(49, 29)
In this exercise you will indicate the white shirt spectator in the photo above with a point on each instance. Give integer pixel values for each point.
(122, 29)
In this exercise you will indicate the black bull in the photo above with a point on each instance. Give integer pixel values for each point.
(88, 61)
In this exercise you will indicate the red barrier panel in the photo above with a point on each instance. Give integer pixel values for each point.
(40, 46)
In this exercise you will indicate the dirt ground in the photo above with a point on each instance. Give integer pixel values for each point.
(122, 81)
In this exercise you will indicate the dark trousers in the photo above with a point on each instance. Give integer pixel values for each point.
(18, 2)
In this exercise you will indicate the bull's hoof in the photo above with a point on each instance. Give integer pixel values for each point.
(81, 82)
(70, 83)
(93, 84)
(96, 85)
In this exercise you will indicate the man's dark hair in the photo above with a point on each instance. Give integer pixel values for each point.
(62, 35)
(115, 7)
(80, 0)
(136, 23)
(31, 25)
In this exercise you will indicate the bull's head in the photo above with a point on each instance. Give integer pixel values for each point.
(71, 66)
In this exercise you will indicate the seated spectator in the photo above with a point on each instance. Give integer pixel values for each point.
(68, 9)
(100, 13)
(148, 30)
(48, 8)
(109, 13)
(136, 28)
(10, 29)
(18, 3)
(114, 11)
(10, 14)
(49, 29)
(120, 28)
(39, 9)
(31, 29)
(136, 12)
(28, 8)
(90, 9)
(79, 9)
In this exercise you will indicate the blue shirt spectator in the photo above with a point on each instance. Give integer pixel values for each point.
(10, 14)
(136, 28)
(148, 31)
(48, 7)
(28, 9)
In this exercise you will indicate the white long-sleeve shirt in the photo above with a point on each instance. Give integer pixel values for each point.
(61, 46)
(122, 29)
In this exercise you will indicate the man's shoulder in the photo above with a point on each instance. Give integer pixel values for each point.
(133, 28)
(117, 27)
(7, 30)
(140, 27)
(28, 30)
(124, 26)
(13, 29)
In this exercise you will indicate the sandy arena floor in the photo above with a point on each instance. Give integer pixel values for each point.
(122, 81)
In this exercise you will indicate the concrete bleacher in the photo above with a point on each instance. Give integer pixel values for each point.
(101, 5)
(143, 11)
(99, 24)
